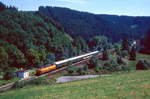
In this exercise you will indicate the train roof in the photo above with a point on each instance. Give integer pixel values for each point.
(76, 57)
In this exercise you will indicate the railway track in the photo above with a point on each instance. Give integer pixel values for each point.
(10, 85)
(64, 68)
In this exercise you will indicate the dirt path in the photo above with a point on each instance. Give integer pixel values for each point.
(73, 78)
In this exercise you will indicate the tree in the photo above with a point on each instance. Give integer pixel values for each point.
(16, 57)
(124, 53)
(105, 54)
(2, 6)
(8, 71)
(117, 49)
(145, 43)
(3, 59)
(120, 61)
(98, 42)
(125, 45)
(50, 58)
(113, 66)
(80, 44)
(93, 62)
(85, 68)
(133, 53)
(33, 57)
(9, 74)
(142, 65)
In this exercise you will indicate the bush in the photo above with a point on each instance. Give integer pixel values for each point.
(124, 53)
(105, 54)
(143, 65)
(81, 71)
(98, 67)
(93, 61)
(120, 61)
(85, 68)
(113, 66)
(72, 69)
(37, 81)
(32, 73)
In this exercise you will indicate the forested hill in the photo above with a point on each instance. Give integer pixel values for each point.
(28, 40)
(88, 25)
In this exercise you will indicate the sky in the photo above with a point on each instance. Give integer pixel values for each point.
(117, 7)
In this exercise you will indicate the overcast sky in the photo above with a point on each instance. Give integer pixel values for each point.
(119, 7)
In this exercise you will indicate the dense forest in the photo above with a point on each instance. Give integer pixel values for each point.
(31, 40)
(88, 25)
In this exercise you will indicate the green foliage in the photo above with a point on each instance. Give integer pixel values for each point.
(78, 70)
(98, 42)
(120, 61)
(133, 53)
(98, 67)
(26, 40)
(2, 6)
(129, 84)
(81, 71)
(143, 65)
(113, 66)
(72, 69)
(85, 68)
(105, 54)
(5, 60)
(117, 49)
(89, 25)
(80, 44)
(145, 43)
(37, 81)
(124, 53)
(125, 45)
(93, 62)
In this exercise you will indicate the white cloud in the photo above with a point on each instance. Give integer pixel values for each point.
(74, 1)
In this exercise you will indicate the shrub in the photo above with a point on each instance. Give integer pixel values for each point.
(143, 65)
(19, 84)
(32, 73)
(124, 53)
(81, 71)
(133, 53)
(72, 69)
(105, 54)
(120, 61)
(37, 81)
(85, 68)
(93, 61)
(98, 67)
(113, 66)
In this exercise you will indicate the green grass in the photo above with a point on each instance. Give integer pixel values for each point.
(126, 85)
(132, 64)
(3, 82)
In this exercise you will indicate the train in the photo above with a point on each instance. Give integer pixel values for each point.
(62, 63)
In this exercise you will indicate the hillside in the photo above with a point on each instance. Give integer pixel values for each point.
(30, 40)
(132, 85)
(88, 25)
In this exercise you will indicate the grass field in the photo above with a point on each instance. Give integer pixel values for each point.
(3, 82)
(132, 64)
(132, 85)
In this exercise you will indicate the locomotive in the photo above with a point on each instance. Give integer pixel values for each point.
(62, 63)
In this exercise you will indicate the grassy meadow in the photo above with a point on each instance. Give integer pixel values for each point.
(127, 85)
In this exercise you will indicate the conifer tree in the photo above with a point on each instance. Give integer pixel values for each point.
(133, 53)
(105, 54)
